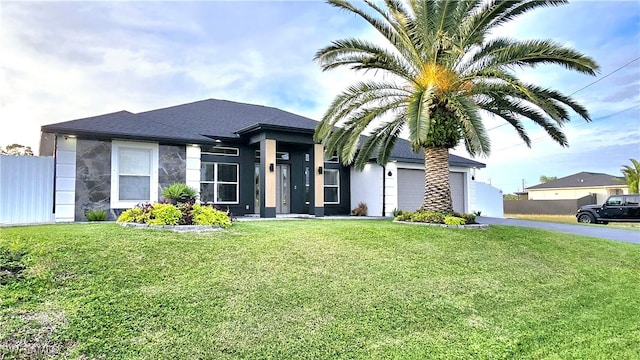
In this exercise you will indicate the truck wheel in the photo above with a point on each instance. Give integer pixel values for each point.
(586, 219)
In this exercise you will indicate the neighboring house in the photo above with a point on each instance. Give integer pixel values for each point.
(576, 186)
(247, 158)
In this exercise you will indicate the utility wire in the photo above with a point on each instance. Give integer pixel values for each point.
(586, 86)
(583, 124)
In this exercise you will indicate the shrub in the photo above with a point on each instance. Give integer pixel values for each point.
(180, 192)
(396, 212)
(96, 215)
(361, 210)
(434, 217)
(454, 220)
(139, 214)
(428, 217)
(207, 215)
(165, 214)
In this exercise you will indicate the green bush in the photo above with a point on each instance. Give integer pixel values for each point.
(434, 217)
(428, 217)
(454, 220)
(207, 215)
(138, 214)
(180, 192)
(397, 212)
(96, 215)
(165, 214)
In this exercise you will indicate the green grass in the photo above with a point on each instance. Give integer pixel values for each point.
(317, 289)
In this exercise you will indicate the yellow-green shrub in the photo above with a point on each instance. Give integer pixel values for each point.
(165, 214)
(207, 215)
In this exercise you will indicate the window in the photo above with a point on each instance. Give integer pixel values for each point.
(614, 200)
(331, 159)
(134, 170)
(331, 186)
(280, 155)
(221, 150)
(219, 183)
(306, 185)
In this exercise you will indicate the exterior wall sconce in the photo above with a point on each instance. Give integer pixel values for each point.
(389, 173)
(271, 167)
(320, 170)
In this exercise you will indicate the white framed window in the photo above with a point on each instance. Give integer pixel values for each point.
(331, 186)
(221, 150)
(219, 183)
(134, 173)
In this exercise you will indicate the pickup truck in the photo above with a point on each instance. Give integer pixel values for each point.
(622, 208)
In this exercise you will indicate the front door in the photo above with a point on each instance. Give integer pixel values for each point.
(283, 193)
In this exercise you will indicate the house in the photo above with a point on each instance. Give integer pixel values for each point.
(250, 159)
(597, 185)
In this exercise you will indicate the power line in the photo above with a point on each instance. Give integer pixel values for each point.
(586, 86)
(583, 124)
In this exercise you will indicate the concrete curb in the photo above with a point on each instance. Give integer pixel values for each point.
(174, 228)
(470, 226)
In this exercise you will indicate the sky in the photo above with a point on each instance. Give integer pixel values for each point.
(62, 61)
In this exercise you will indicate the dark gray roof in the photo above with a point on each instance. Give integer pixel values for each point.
(202, 122)
(581, 179)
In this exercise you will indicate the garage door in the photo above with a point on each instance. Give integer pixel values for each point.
(411, 189)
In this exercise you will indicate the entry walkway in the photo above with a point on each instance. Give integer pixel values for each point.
(599, 231)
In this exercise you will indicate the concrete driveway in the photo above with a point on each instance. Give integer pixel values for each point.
(603, 232)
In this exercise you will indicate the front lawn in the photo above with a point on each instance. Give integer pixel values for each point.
(316, 289)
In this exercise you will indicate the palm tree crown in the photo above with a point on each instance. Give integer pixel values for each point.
(442, 71)
(632, 175)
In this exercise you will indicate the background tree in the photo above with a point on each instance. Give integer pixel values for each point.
(16, 149)
(546, 179)
(441, 71)
(632, 175)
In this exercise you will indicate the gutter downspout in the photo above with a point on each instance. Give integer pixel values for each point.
(55, 169)
(384, 189)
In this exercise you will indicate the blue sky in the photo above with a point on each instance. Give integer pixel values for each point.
(68, 60)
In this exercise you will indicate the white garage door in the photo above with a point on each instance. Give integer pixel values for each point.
(411, 189)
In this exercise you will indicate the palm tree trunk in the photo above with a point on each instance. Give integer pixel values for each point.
(437, 192)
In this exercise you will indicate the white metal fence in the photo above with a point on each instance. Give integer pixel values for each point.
(26, 189)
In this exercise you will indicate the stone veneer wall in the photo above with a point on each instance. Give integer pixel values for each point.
(93, 177)
(173, 166)
(93, 174)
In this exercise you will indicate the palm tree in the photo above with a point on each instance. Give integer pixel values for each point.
(632, 175)
(441, 71)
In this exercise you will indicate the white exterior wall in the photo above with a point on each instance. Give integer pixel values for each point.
(26, 189)
(488, 200)
(391, 188)
(366, 187)
(193, 167)
(65, 179)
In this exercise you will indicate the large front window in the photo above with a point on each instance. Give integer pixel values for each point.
(134, 173)
(218, 183)
(331, 186)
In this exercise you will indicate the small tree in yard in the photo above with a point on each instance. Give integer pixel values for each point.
(632, 175)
